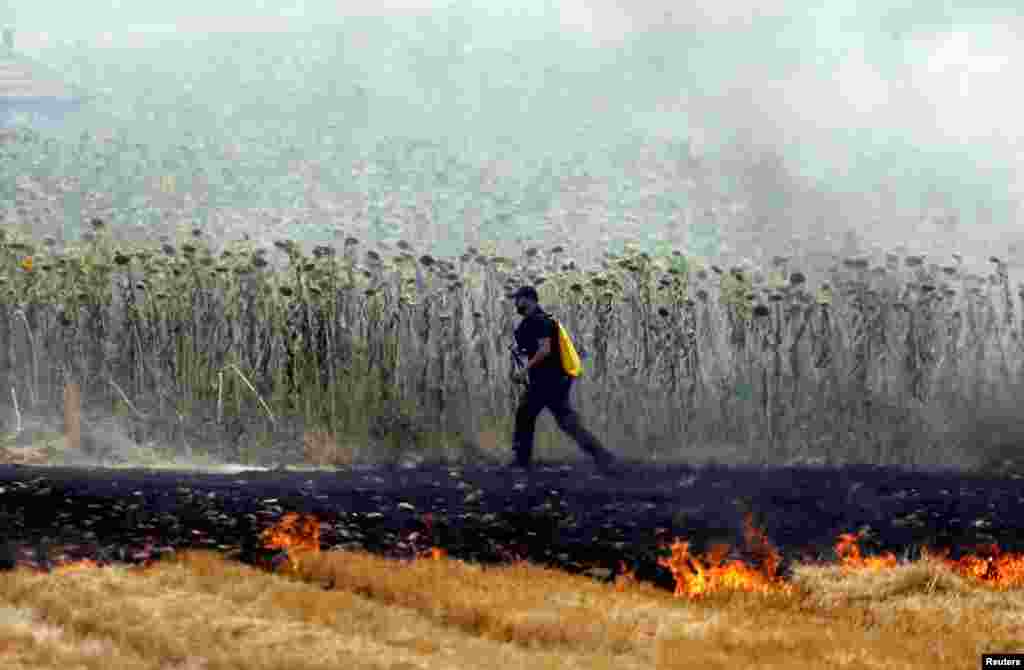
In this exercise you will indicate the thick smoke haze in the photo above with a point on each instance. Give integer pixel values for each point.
(911, 105)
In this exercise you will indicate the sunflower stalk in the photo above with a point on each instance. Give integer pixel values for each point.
(245, 380)
(17, 412)
(33, 382)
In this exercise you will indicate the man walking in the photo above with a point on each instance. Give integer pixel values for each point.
(548, 385)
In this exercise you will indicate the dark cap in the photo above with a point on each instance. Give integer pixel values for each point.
(525, 292)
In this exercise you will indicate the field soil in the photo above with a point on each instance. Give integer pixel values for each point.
(566, 516)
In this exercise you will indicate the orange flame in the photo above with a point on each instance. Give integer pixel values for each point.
(625, 578)
(988, 565)
(698, 576)
(851, 559)
(695, 576)
(76, 566)
(295, 534)
(759, 545)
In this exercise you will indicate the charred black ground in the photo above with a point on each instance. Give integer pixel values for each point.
(564, 516)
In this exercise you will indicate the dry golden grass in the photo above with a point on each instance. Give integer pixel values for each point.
(355, 610)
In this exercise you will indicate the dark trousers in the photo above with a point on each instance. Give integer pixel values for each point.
(553, 395)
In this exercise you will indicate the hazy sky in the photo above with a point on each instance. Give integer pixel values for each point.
(930, 73)
(938, 71)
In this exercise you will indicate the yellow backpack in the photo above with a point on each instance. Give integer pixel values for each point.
(570, 359)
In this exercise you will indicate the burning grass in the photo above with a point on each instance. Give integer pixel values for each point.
(697, 576)
(325, 609)
(345, 609)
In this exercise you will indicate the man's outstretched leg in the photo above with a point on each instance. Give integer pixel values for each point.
(569, 421)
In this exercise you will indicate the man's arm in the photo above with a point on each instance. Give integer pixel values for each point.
(542, 352)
